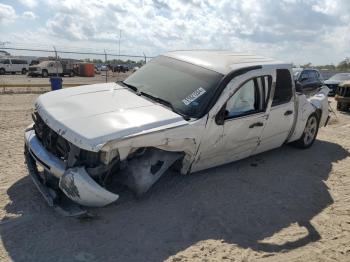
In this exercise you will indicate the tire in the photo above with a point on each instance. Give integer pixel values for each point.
(341, 106)
(24, 71)
(71, 74)
(44, 73)
(2, 71)
(310, 132)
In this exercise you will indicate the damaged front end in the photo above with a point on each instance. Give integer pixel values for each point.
(81, 176)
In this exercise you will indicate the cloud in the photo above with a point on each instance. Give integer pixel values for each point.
(293, 30)
(29, 3)
(29, 15)
(7, 14)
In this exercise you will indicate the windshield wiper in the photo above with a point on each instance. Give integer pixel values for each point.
(129, 86)
(164, 102)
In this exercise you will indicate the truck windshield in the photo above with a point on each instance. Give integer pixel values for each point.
(186, 87)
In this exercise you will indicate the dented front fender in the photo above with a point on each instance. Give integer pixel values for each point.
(81, 188)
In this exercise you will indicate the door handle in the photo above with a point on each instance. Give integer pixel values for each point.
(256, 124)
(289, 112)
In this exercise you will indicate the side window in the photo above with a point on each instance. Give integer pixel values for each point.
(7, 61)
(313, 75)
(304, 76)
(317, 76)
(250, 98)
(283, 90)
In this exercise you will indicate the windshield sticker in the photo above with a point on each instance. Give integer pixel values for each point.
(197, 93)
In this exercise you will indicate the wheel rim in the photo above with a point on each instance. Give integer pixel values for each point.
(310, 130)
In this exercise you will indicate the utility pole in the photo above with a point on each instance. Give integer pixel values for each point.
(106, 63)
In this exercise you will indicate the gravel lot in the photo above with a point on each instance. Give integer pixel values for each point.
(283, 205)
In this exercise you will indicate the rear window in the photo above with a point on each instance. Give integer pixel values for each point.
(283, 90)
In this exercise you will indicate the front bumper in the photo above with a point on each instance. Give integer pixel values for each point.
(74, 183)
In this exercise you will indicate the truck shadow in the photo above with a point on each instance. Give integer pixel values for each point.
(240, 203)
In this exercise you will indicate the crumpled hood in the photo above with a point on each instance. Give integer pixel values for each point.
(89, 116)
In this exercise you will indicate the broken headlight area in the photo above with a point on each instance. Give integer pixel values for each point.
(90, 178)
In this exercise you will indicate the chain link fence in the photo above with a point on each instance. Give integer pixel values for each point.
(109, 67)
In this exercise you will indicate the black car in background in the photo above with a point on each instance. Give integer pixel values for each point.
(335, 80)
(307, 80)
(119, 68)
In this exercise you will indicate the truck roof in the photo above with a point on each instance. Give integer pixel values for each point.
(222, 61)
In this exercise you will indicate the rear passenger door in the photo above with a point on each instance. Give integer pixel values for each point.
(281, 115)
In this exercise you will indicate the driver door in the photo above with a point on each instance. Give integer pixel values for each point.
(245, 118)
(237, 121)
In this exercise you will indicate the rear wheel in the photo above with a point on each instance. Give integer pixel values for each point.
(310, 132)
(2, 71)
(24, 71)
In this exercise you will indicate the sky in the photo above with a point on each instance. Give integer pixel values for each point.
(299, 31)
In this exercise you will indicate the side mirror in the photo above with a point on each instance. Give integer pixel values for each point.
(221, 116)
(298, 87)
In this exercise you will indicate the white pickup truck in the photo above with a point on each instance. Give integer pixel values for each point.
(191, 110)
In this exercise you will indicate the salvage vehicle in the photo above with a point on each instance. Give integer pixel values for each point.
(334, 81)
(189, 110)
(343, 96)
(308, 80)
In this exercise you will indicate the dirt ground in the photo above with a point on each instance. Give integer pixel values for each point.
(283, 205)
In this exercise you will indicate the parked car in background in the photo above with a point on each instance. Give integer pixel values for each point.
(334, 82)
(192, 110)
(342, 96)
(50, 68)
(13, 65)
(46, 68)
(307, 80)
(101, 68)
(119, 68)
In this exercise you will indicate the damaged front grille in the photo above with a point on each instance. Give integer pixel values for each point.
(59, 146)
(52, 142)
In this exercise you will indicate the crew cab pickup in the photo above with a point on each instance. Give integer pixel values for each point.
(190, 110)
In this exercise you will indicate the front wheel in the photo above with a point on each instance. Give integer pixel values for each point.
(24, 71)
(309, 134)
